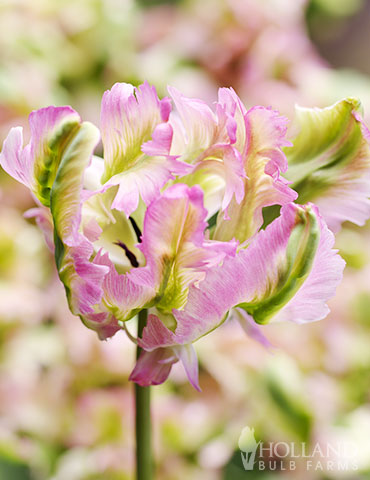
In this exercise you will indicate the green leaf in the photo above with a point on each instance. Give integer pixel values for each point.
(14, 469)
(285, 387)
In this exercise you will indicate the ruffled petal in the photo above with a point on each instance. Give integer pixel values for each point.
(82, 279)
(137, 141)
(205, 139)
(230, 169)
(129, 116)
(329, 163)
(235, 111)
(263, 161)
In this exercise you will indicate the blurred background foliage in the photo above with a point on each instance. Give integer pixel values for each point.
(65, 402)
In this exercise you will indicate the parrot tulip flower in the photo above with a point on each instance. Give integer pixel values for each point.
(170, 220)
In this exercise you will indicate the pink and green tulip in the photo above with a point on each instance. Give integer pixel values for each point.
(136, 229)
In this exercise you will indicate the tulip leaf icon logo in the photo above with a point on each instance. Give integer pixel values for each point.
(248, 446)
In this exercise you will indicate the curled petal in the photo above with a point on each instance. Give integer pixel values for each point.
(66, 192)
(82, 279)
(128, 118)
(161, 141)
(36, 164)
(233, 108)
(309, 303)
(329, 163)
(230, 168)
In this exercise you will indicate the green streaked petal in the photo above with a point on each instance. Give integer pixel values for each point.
(293, 268)
(48, 159)
(65, 196)
(81, 278)
(329, 163)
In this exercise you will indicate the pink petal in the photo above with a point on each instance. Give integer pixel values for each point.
(161, 141)
(156, 335)
(85, 279)
(12, 159)
(144, 182)
(198, 120)
(251, 328)
(309, 303)
(153, 368)
(104, 323)
(187, 355)
(329, 162)
(122, 296)
(44, 221)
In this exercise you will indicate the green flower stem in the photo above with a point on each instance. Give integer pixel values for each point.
(144, 469)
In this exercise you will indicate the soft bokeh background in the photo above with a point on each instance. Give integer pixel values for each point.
(66, 407)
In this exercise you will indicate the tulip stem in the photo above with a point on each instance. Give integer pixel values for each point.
(142, 419)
